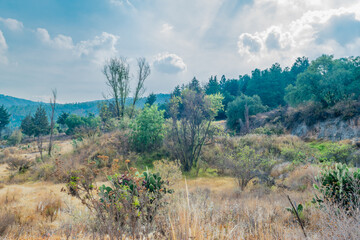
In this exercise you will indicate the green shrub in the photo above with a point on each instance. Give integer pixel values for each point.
(339, 185)
(15, 138)
(334, 152)
(147, 131)
(294, 155)
(269, 130)
(124, 206)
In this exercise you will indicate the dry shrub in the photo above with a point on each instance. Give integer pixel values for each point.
(11, 197)
(168, 170)
(112, 145)
(18, 164)
(302, 177)
(333, 223)
(6, 153)
(6, 220)
(50, 206)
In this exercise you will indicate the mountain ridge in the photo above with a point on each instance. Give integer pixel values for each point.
(19, 108)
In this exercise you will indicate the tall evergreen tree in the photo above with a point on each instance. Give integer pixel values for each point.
(176, 92)
(213, 86)
(194, 85)
(151, 99)
(4, 118)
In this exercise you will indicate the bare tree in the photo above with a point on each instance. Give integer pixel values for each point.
(143, 72)
(123, 83)
(111, 72)
(52, 123)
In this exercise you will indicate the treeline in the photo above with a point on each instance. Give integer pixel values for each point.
(325, 81)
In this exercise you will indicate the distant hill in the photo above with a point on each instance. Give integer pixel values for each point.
(9, 101)
(19, 108)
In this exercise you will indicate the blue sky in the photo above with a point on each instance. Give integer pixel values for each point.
(63, 44)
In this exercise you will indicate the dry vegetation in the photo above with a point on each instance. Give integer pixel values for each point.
(32, 205)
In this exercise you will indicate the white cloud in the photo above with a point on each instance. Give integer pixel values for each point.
(122, 3)
(169, 63)
(3, 48)
(60, 41)
(12, 24)
(331, 31)
(166, 28)
(98, 49)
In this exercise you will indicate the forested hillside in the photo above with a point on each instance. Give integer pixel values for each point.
(19, 108)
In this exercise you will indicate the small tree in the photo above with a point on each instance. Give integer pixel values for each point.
(27, 125)
(192, 115)
(41, 127)
(244, 165)
(62, 119)
(4, 118)
(241, 162)
(148, 129)
(241, 109)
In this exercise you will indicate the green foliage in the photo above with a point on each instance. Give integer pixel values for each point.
(126, 205)
(151, 99)
(334, 152)
(75, 123)
(15, 138)
(337, 184)
(327, 81)
(244, 163)
(4, 118)
(62, 118)
(213, 86)
(236, 110)
(147, 131)
(40, 122)
(192, 114)
(27, 125)
(298, 208)
(294, 155)
(269, 85)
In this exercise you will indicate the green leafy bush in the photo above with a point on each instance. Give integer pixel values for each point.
(294, 155)
(334, 152)
(124, 206)
(339, 185)
(147, 131)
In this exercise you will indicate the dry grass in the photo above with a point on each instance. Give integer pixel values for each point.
(204, 208)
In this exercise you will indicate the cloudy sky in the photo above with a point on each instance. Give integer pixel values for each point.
(63, 44)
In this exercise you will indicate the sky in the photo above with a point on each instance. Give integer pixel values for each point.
(64, 44)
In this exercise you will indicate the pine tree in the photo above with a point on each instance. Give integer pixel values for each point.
(4, 118)
(41, 126)
(27, 125)
(151, 99)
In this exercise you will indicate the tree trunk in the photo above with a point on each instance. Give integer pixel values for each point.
(52, 104)
(39, 142)
(247, 121)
